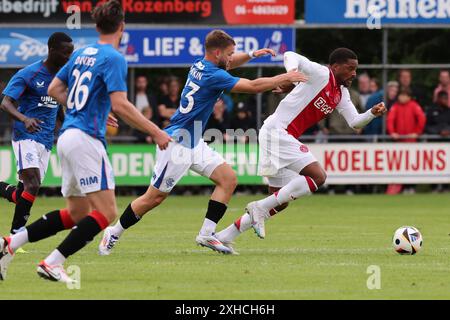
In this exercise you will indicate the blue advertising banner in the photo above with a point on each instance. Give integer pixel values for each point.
(20, 47)
(387, 11)
(155, 47)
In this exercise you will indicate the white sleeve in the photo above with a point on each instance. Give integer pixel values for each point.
(293, 60)
(347, 109)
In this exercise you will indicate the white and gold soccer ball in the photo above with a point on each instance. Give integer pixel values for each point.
(407, 240)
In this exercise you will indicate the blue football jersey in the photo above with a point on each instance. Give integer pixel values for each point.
(205, 84)
(28, 87)
(92, 73)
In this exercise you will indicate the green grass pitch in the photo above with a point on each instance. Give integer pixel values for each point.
(319, 248)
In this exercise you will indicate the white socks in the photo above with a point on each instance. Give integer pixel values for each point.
(55, 258)
(208, 228)
(19, 239)
(298, 187)
(242, 224)
(117, 229)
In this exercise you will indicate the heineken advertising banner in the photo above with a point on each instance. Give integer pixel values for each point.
(133, 165)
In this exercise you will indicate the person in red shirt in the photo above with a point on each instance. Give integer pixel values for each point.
(406, 118)
(405, 122)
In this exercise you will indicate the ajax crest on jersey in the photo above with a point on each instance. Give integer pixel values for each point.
(407, 240)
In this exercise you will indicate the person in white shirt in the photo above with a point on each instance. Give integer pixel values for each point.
(291, 169)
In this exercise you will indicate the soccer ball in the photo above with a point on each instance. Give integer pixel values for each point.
(407, 240)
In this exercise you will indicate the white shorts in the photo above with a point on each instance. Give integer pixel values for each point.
(174, 162)
(84, 163)
(281, 156)
(31, 154)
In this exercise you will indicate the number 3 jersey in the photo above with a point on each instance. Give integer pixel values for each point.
(28, 87)
(205, 84)
(92, 73)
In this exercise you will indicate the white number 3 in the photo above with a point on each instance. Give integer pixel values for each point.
(190, 98)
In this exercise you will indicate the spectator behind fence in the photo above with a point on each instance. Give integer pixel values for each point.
(376, 126)
(444, 85)
(242, 119)
(406, 117)
(169, 103)
(142, 101)
(364, 88)
(163, 88)
(405, 81)
(144, 105)
(374, 86)
(438, 116)
(219, 120)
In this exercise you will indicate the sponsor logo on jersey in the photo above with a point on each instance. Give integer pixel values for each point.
(90, 51)
(304, 148)
(199, 65)
(48, 102)
(88, 181)
(322, 105)
(40, 84)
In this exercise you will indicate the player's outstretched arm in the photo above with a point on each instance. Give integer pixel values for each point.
(358, 120)
(240, 59)
(10, 106)
(265, 84)
(128, 112)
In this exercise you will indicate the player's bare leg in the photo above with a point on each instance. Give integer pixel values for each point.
(132, 215)
(225, 179)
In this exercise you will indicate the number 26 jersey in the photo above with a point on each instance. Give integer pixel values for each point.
(91, 74)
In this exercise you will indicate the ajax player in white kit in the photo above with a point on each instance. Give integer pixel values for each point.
(291, 169)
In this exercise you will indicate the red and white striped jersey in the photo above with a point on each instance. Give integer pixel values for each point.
(312, 101)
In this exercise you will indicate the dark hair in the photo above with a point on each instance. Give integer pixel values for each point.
(377, 82)
(108, 16)
(56, 39)
(442, 93)
(404, 70)
(218, 39)
(405, 91)
(342, 55)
